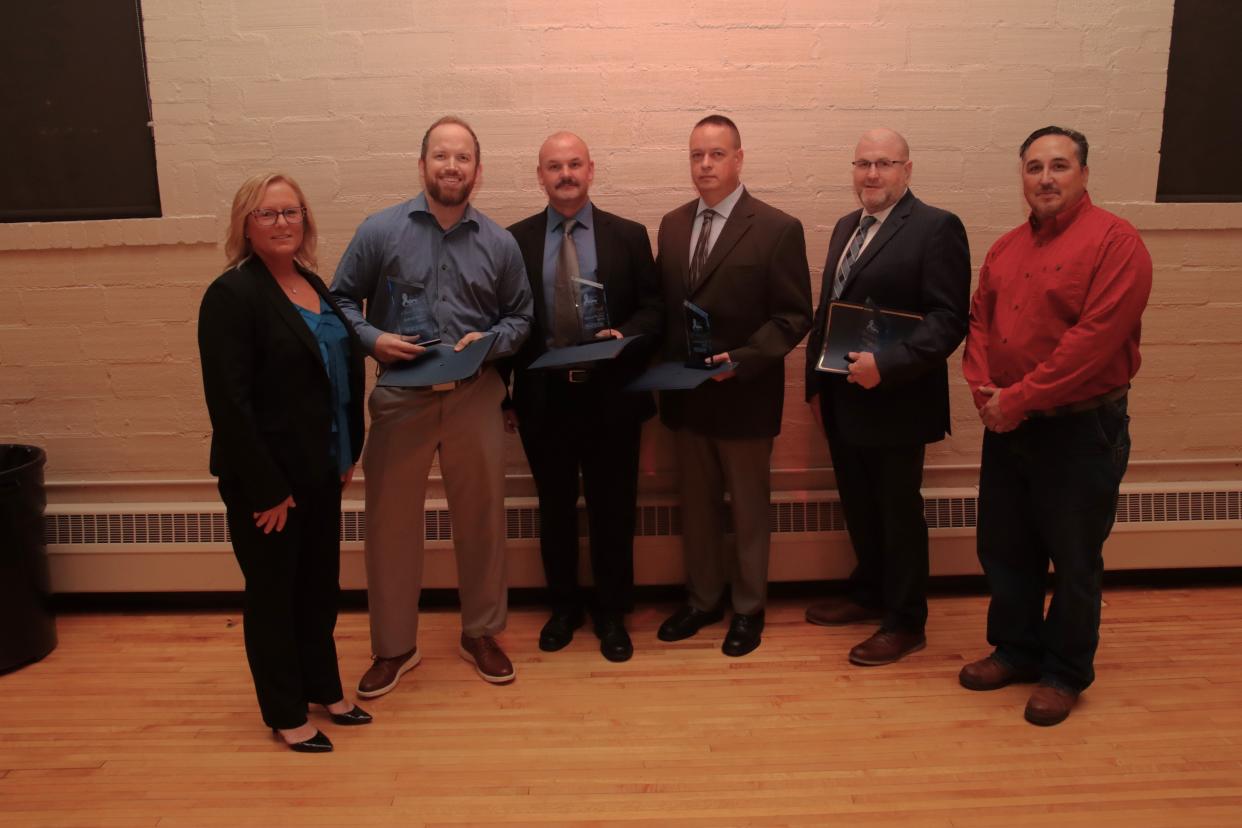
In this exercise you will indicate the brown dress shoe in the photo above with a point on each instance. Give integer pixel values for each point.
(1049, 705)
(386, 672)
(992, 674)
(488, 659)
(837, 611)
(887, 646)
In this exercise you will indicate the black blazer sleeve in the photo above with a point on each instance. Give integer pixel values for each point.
(227, 328)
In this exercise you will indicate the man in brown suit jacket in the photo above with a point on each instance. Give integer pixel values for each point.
(743, 262)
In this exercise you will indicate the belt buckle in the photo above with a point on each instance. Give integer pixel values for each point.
(444, 386)
(577, 375)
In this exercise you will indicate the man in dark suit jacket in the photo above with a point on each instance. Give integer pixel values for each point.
(580, 418)
(901, 254)
(743, 262)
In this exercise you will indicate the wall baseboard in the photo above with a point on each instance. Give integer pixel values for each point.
(175, 547)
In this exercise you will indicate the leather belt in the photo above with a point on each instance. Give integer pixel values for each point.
(1084, 405)
(448, 386)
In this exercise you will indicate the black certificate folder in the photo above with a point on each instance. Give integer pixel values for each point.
(438, 365)
(853, 327)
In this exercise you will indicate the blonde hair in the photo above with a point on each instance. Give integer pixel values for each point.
(237, 247)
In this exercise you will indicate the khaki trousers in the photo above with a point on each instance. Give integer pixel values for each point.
(408, 427)
(707, 468)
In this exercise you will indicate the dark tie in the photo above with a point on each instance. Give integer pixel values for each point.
(699, 259)
(851, 255)
(566, 328)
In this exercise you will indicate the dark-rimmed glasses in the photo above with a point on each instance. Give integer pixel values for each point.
(267, 218)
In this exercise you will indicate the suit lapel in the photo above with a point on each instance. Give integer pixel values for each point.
(737, 225)
(888, 230)
(285, 309)
(677, 242)
(536, 236)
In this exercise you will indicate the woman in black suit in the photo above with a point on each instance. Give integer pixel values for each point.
(283, 375)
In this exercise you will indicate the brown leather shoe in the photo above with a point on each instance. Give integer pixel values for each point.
(386, 672)
(488, 659)
(992, 674)
(1049, 705)
(886, 646)
(837, 611)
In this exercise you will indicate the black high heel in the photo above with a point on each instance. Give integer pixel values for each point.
(318, 743)
(357, 716)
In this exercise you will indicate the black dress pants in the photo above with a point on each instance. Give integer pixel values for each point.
(879, 488)
(292, 591)
(1048, 492)
(579, 429)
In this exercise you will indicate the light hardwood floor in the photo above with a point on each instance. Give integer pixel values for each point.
(150, 720)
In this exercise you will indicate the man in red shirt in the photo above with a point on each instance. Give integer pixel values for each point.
(1053, 345)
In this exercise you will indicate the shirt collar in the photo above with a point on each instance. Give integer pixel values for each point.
(418, 204)
(585, 218)
(1057, 224)
(726, 205)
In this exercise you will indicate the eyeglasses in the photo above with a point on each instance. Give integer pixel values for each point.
(882, 165)
(267, 218)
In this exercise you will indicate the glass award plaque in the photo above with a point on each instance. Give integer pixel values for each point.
(592, 308)
(698, 336)
(410, 314)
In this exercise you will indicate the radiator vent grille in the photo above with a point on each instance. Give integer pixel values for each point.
(522, 523)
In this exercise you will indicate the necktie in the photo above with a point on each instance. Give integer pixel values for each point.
(851, 255)
(699, 259)
(566, 329)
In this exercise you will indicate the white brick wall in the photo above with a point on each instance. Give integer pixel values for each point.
(97, 345)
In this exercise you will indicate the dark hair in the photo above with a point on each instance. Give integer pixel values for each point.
(722, 121)
(1080, 140)
(450, 119)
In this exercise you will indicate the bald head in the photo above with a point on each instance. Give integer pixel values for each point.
(565, 172)
(882, 169)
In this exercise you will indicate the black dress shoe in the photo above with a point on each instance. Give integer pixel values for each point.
(614, 641)
(357, 716)
(315, 744)
(686, 622)
(559, 630)
(744, 632)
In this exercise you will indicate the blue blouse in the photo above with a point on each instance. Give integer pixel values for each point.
(333, 341)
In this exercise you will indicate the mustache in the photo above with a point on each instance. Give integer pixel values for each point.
(567, 181)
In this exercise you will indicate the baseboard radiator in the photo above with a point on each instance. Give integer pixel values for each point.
(169, 547)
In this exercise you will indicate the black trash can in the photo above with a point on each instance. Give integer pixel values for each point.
(27, 627)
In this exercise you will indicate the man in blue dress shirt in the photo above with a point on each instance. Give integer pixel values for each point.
(469, 272)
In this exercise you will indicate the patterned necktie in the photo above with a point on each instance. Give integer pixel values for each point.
(699, 259)
(566, 329)
(851, 255)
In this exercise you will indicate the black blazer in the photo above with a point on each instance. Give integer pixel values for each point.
(627, 272)
(756, 286)
(267, 390)
(919, 261)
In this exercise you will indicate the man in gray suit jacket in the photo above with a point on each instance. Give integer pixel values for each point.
(743, 262)
(901, 254)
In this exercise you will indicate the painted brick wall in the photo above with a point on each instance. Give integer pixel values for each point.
(97, 342)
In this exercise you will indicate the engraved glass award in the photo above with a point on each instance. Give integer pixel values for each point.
(410, 314)
(698, 336)
(592, 308)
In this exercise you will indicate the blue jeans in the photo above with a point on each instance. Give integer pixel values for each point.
(1048, 492)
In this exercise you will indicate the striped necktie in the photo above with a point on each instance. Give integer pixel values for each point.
(851, 255)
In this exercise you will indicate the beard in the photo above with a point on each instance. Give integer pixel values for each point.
(453, 193)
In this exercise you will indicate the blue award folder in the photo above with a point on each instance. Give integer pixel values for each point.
(599, 351)
(676, 376)
(439, 365)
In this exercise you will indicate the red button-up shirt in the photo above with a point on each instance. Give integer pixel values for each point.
(1055, 319)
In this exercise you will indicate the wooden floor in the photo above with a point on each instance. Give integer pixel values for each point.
(150, 720)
